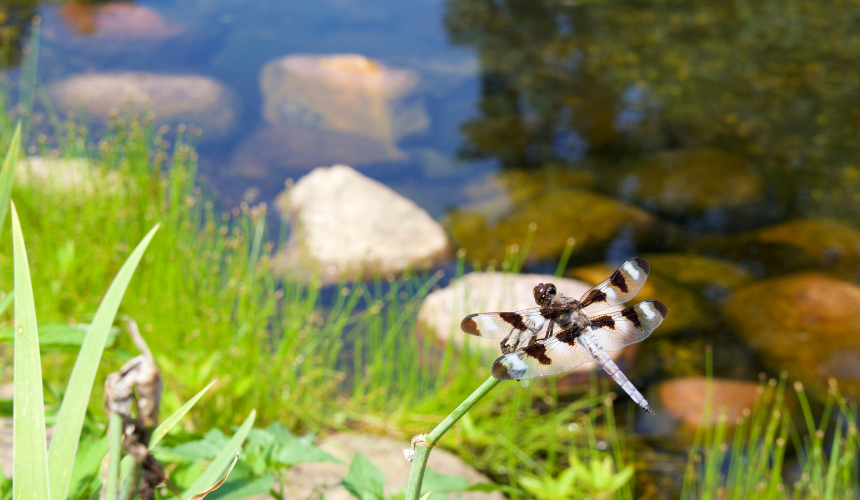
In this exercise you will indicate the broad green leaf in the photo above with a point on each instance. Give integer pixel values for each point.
(297, 452)
(168, 423)
(7, 299)
(7, 175)
(30, 468)
(70, 420)
(219, 465)
(364, 480)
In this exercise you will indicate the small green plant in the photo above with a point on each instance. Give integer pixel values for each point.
(365, 481)
(595, 479)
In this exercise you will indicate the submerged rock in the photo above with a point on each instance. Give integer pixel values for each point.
(345, 225)
(117, 22)
(807, 324)
(174, 99)
(702, 274)
(346, 93)
(488, 229)
(678, 182)
(274, 152)
(443, 310)
(306, 479)
(802, 244)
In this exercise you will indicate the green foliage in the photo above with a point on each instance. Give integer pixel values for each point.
(594, 479)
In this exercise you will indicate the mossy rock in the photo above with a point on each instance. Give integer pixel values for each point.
(802, 245)
(487, 229)
(684, 181)
(688, 311)
(807, 324)
(702, 274)
(686, 357)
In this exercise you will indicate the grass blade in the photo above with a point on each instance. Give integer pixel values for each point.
(7, 301)
(220, 463)
(30, 467)
(168, 423)
(64, 446)
(7, 175)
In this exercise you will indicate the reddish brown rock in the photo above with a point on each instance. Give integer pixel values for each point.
(685, 400)
(118, 21)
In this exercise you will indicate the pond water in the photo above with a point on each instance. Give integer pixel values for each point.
(719, 139)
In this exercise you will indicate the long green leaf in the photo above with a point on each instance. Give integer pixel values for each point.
(168, 423)
(220, 463)
(30, 467)
(7, 299)
(67, 433)
(7, 175)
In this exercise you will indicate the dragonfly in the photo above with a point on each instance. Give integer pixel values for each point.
(564, 333)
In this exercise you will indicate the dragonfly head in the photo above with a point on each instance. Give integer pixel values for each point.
(544, 293)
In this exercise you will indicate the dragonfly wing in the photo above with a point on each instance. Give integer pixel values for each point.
(629, 326)
(622, 286)
(556, 354)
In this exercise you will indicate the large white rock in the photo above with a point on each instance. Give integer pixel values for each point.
(386, 454)
(443, 309)
(345, 93)
(174, 99)
(344, 223)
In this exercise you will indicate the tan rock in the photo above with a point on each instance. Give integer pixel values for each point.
(66, 175)
(345, 93)
(344, 224)
(387, 455)
(174, 99)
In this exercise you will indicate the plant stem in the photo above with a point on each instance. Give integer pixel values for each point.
(422, 453)
(114, 442)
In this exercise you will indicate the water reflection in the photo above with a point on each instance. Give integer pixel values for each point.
(597, 84)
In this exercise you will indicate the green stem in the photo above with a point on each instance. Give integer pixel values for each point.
(422, 453)
(114, 442)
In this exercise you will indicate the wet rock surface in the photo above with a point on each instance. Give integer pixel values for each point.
(443, 310)
(345, 224)
(680, 182)
(702, 274)
(174, 99)
(271, 153)
(487, 229)
(347, 93)
(384, 453)
(806, 324)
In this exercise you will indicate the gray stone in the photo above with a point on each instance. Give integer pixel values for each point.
(386, 454)
(344, 224)
(345, 92)
(174, 99)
